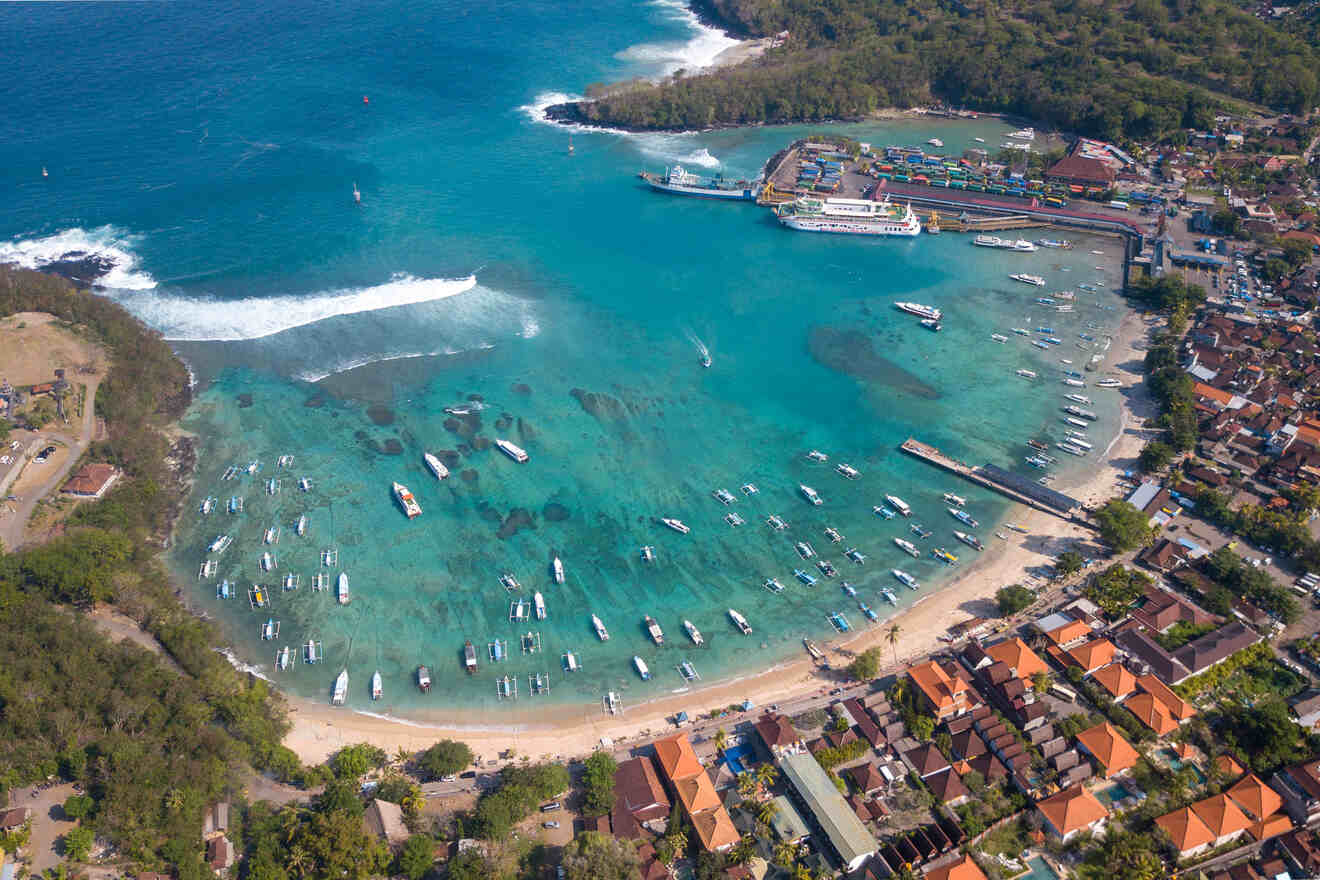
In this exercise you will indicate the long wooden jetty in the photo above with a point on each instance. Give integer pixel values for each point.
(1013, 486)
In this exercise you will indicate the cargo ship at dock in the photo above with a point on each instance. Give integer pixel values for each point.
(849, 217)
(680, 182)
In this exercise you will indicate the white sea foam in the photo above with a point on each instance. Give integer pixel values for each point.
(698, 51)
(318, 374)
(535, 111)
(212, 320)
(675, 148)
(111, 246)
(238, 664)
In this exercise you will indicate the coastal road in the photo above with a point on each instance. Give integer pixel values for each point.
(14, 525)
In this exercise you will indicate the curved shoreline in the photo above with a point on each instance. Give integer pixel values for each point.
(566, 730)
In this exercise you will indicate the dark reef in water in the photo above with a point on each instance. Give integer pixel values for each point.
(504, 421)
(599, 404)
(488, 513)
(526, 432)
(244, 401)
(380, 414)
(479, 443)
(518, 518)
(448, 457)
(468, 476)
(392, 447)
(476, 397)
(850, 352)
(555, 512)
(315, 402)
(521, 388)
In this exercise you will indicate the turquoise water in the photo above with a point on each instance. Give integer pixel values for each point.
(212, 158)
(1039, 870)
(1176, 764)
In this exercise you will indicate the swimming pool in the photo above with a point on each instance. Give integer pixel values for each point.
(1176, 764)
(1109, 795)
(1038, 870)
(733, 756)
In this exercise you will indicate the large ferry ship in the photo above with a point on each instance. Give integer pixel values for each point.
(849, 216)
(681, 182)
(923, 311)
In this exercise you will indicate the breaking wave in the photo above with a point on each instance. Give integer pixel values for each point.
(191, 319)
(700, 50)
(100, 257)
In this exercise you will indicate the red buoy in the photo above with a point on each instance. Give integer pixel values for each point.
(365, 100)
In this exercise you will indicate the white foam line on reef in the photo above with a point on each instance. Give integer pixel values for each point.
(238, 664)
(695, 53)
(193, 319)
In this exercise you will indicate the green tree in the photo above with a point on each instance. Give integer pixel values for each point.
(596, 856)
(78, 805)
(599, 781)
(1155, 456)
(1264, 734)
(78, 843)
(445, 758)
(469, 865)
(1040, 682)
(416, 857)
(340, 796)
(338, 845)
(891, 636)
(1297, 253)
(1123, 527)
(1123, 855)
(356, 761)
(1069, 562)
(1012, 599)
(866, 665)
(1115, 589)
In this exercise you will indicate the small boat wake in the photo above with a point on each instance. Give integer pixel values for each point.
(702, 350)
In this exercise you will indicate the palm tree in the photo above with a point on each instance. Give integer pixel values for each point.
(746, 784)
(766, 774)
(289, 822)
(894, 631)
(297, 860)
(743, 851)
(785, 854)
(721, 739)
(173, 800)
(766, 812)
(402, 755)
(413, 802)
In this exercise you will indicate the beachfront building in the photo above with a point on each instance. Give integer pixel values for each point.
(1106, 746)
(944, 691)
(840, 827)
(639, 799)
(1070, 812)
(778, 736)
(691, 785)
(91, 480)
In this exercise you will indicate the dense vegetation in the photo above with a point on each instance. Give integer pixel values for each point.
(151, 743)
(1139, 69)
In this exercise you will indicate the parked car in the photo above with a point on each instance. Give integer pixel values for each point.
(549, 824)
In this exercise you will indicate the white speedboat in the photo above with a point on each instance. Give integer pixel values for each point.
(283, 657)
(220, 543)
(341, 588)
(642, 669)
(908, 547)
(407, 501)
(209, 504)
(516, 453)
(675, 524)
(436, 465)
(956, 500)
(268, 561)
(935, 142)
(817, 455)
(773, 585)
(377, 686)
(340, 693)
(601, 632)
(538, 603)
(810, 494)
(301, 527)
(1034, 280)
(920, 310)
(693, 633)
(1027, 374)
(648, 553)
(899, 504)
(999, 337)
(848, 471)
(740, 622)
(557, 570)
(653, 630)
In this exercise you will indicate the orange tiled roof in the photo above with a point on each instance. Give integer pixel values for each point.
(936, 684)
(1072, 809)
(1221, 815)
(1186, 828)
(963, 869)
(1221, 397)
(697, 793)
(1271, 827)
(1229, 766)
(1069, 632)
(1256, 797)
(676, 757)
(1018, 657)
(1116, 679)
(1151, 712)
(1093, 654)
(1179, 709)
(1109, 748)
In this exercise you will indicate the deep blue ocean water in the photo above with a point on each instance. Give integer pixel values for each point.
(210, 152)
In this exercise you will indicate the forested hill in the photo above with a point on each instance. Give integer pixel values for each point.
(1138, 68)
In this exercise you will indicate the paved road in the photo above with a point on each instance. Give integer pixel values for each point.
(13, 526)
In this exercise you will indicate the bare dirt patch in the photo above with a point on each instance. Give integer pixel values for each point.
(33, 346)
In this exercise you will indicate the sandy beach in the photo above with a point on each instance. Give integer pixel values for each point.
(319, 730)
